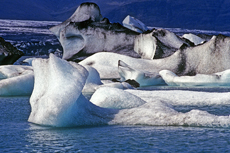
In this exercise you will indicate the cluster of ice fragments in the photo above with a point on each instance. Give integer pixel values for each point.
(58, 85)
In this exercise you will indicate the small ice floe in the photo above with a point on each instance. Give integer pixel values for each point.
(134, 24)
(216, 79)
(16, 80)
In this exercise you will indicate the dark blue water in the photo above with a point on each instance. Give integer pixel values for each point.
(17, 135)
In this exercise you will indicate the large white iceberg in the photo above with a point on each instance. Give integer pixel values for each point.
(57, 101)
(134, 24)
(216, 79)
(16, 80)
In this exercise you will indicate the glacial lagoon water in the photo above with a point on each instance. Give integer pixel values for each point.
(18, 135)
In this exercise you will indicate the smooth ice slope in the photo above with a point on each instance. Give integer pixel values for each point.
(216, 79)
(57, 101)
(16, 80)
(134, 24)
(108, 97)
(107, 64)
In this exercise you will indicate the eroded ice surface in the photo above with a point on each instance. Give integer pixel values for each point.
(216, 79)
(182, 97)
(57, 101)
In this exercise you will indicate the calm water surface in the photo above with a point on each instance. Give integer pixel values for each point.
(17, 135)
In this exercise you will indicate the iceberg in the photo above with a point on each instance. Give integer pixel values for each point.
(16, 80)
(216, 79)
(134, 24)
(57, 100)
(84, 12)
(86, 33)
(208, 58)
(87, 37)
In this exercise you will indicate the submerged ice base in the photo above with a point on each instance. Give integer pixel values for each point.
(57, 100)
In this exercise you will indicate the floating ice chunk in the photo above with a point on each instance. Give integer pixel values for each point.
(57, 101)
(142, 77)
(194, 38)
(16, 80)
(216, 79)
(115, 98)
(134, 24)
